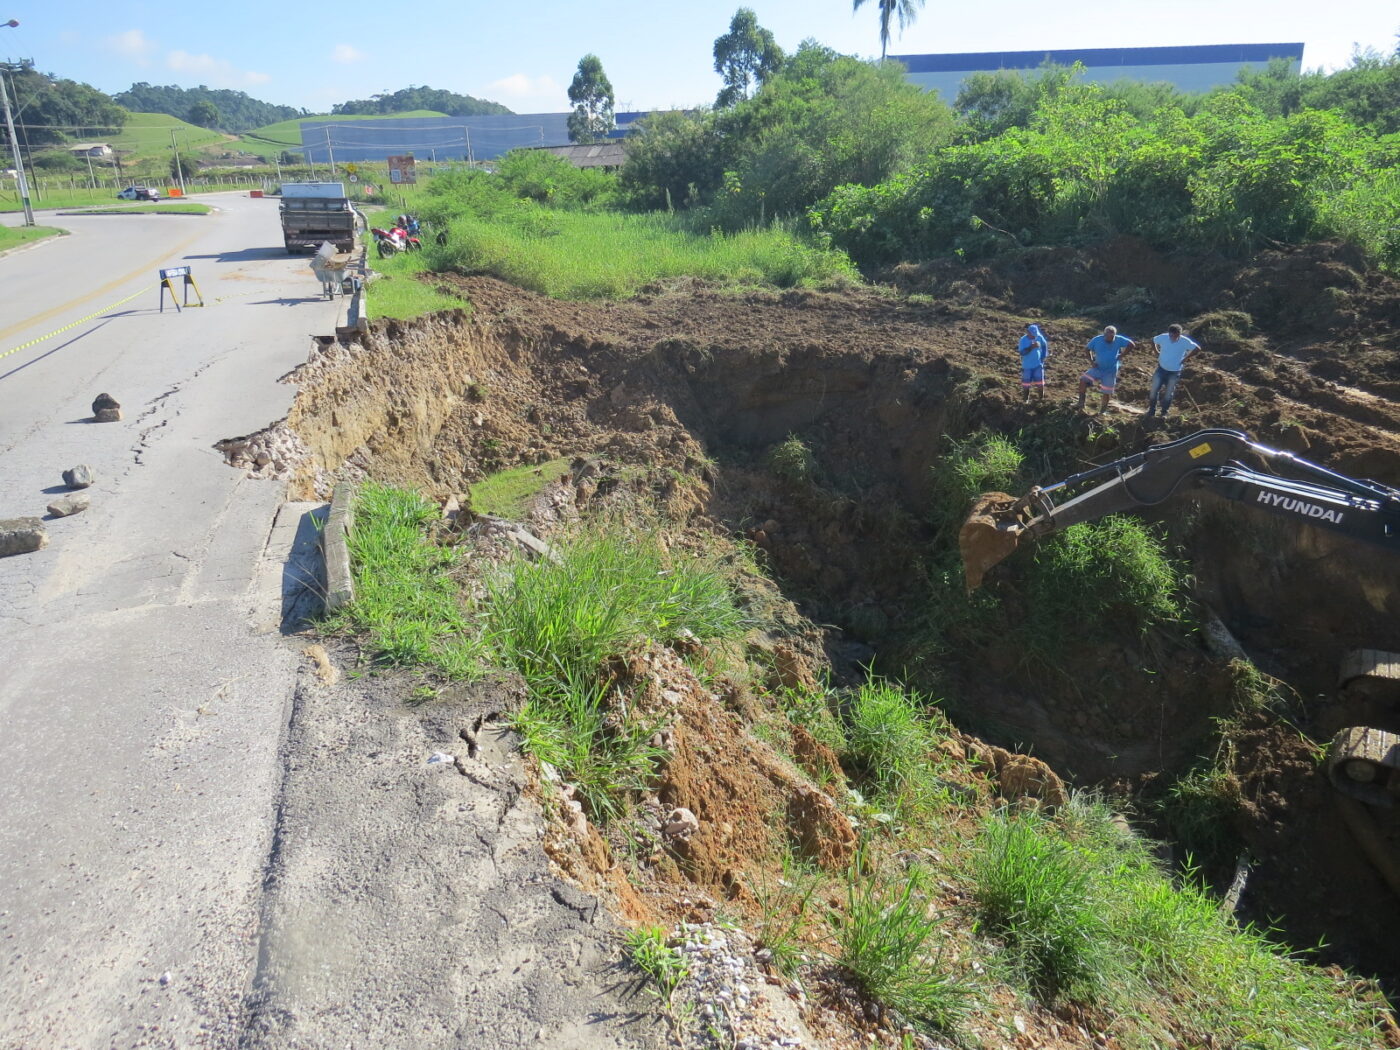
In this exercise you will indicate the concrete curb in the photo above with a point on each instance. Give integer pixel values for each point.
(36, 244)
(340, 586)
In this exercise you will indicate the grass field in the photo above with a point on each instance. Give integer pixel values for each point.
(169, 208)
(272, 139)
(14, 236)
(148, 135)
(399, 293)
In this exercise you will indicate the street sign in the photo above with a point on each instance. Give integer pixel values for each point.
(174, 271)
(354, 178)
(401, 170)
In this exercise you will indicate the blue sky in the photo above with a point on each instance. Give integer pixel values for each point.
(314, 53)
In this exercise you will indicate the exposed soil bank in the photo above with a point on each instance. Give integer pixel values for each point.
(681, 395)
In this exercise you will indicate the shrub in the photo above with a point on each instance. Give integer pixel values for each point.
(889, 740)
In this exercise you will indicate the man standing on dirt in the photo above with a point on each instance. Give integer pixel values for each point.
(1104, 354)
(1034, 349)
(1173, 348)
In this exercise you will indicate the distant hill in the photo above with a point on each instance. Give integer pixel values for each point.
(272, 139)
(148, 135)
(410, 98)
(237, 110)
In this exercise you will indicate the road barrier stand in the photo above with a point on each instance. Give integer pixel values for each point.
(167, 277)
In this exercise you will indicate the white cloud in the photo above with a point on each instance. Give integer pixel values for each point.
(518, 85)
(216, 72)
(347, 53)
(132, 44)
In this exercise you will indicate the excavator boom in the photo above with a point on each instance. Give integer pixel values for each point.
(1315, 495)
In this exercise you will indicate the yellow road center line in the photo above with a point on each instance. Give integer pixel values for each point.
(111, 285)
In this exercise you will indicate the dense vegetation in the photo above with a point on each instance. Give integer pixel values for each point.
(233, 110)
(54, 109)
(821, 120)
(887, 172)
(545, 225)
(410, 98)
(1055, 161)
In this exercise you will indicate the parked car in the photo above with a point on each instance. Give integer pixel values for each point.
(138, 193)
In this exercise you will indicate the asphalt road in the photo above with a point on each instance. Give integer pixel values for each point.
(140, 712)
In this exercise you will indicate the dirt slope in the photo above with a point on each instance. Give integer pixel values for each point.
(682, 394)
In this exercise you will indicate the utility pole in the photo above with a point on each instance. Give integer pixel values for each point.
(179, 168)
(92, 179)
(22, 183)
(330, 154)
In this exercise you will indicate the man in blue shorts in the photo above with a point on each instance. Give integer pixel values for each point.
(1034, 349)
(1173, 348)
(1104, 351)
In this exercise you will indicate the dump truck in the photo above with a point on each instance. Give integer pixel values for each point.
(316, 213)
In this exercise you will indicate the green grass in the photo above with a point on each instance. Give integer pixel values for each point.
(890, 737)
(400, 294)
(1085, 913)
(407, 600)
(507, 494)
(608, 255)
(179, 208)
(893, 946)
(148, 135)
(14, 236)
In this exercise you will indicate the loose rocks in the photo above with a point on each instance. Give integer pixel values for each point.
(79, 477)
(66, 505)
(21, 536)
(106, 409)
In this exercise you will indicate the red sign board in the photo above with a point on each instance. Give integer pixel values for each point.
(401, 170)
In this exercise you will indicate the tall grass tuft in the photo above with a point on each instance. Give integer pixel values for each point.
(406, 598)
(893, 947)
(1037, 892)
(890, 737)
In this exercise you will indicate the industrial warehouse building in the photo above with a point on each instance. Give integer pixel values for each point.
(1192, 69)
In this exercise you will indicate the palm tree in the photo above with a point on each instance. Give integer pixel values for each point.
(905, 10)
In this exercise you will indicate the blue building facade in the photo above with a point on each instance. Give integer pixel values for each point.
(438, 138)
(1190, 68)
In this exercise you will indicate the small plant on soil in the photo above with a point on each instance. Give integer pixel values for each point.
(785, 904)
(792, 461)
(665, 967)
(896, 949)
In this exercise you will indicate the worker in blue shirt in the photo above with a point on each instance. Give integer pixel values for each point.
(1034, 349)
(1173, 348)
(1105, 351)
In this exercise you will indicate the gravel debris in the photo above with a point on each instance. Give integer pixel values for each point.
(734, 1006)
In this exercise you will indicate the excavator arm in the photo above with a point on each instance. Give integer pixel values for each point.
(1301, 490)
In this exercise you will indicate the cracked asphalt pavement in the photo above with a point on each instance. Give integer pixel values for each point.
(196, 851)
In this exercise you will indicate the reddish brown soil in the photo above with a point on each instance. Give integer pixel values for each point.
(696, 385)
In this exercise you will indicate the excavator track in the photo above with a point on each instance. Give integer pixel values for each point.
(1365, 763)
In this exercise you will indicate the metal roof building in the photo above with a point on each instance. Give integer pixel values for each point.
(1191, 68)
(438, 138)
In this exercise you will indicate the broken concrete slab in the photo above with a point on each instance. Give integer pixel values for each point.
(79, 477)
(66, 505)
(340, 586)
(21, 536)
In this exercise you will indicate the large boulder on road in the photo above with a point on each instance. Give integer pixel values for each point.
(21, 536)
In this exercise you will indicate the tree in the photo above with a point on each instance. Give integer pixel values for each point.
(904, 10)
(745, 55)
(204, 114)
(592, 96)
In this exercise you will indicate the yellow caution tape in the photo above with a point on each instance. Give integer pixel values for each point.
(67, 327)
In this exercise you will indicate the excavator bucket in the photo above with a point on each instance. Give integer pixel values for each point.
(989, 535)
